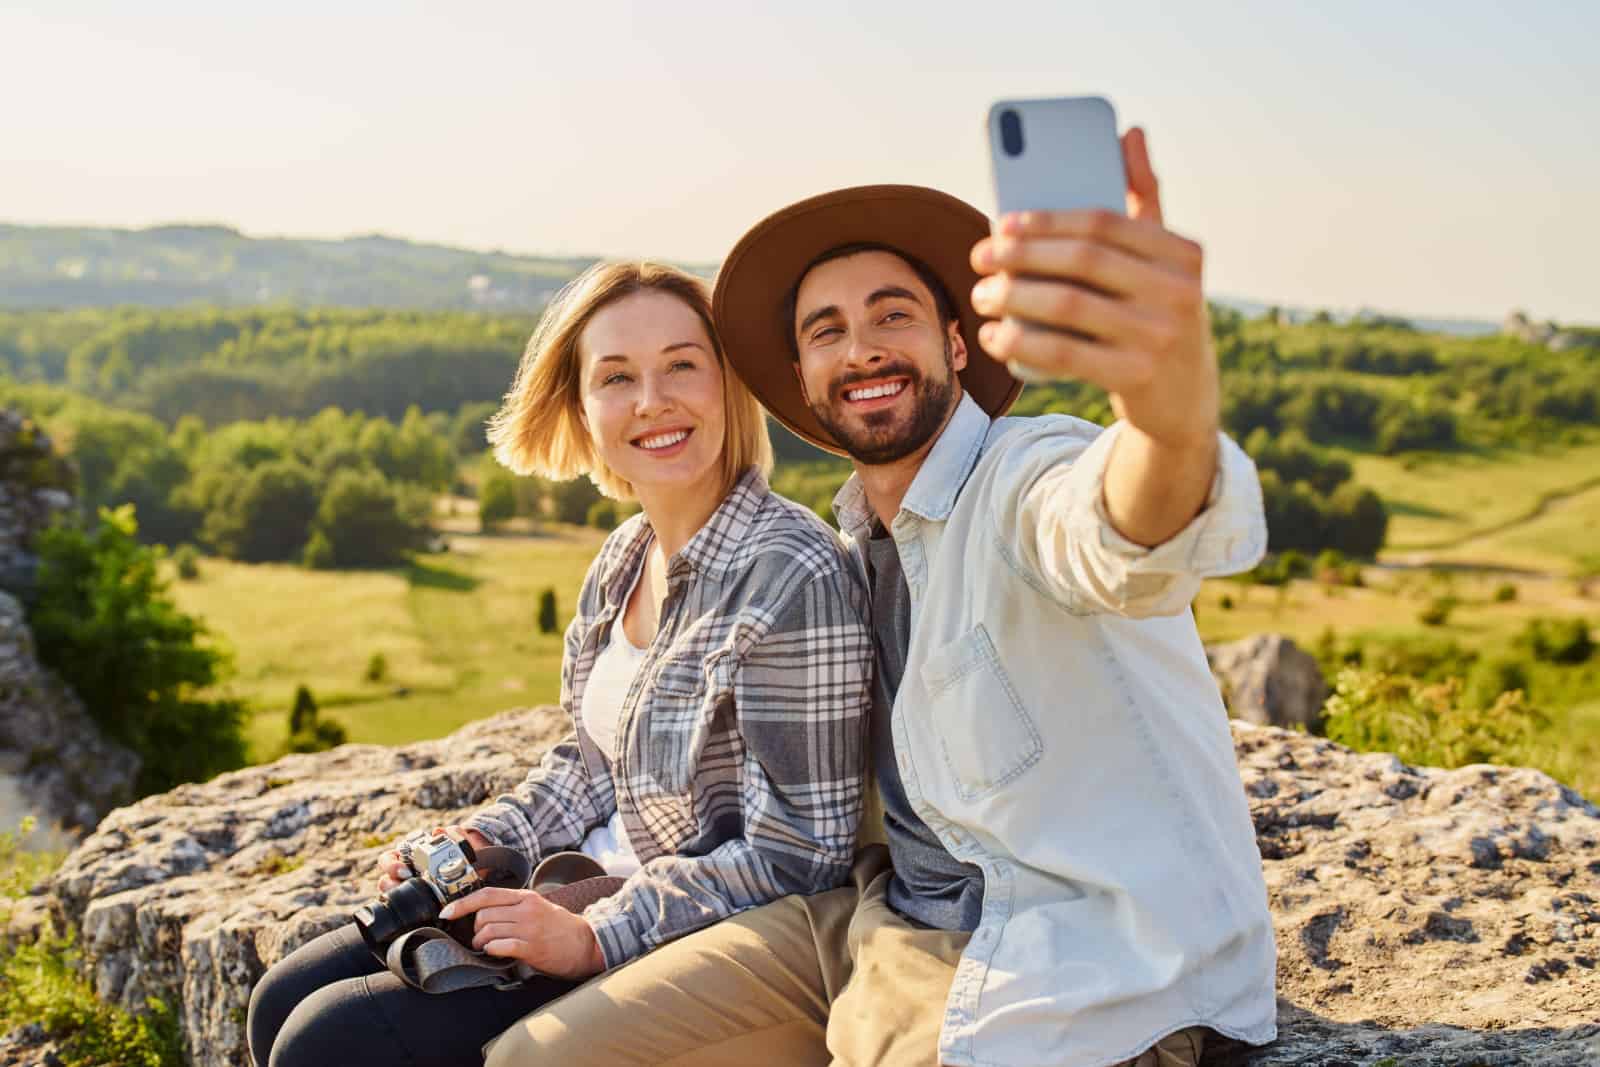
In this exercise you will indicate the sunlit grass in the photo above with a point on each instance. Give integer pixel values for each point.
(457, 629)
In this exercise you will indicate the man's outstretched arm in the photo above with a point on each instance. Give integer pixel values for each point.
(1132, 292)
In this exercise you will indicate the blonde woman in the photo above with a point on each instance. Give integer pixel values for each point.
(718, 674)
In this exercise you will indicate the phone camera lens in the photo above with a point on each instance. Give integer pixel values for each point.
(1011, 132)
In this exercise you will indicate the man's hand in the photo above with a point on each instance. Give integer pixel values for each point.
(1133, 290)
(392, 870)
(520, 924)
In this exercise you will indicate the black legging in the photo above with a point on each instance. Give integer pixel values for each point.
(331, 1002)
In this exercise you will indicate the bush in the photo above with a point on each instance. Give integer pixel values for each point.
(572, 499)
(377, 668)
(304, 711)
(1226, 603)
(1558, 640)
(318, 555)
(603, 515)
(497, 498)
(187, 560)
(1437, 613)
(547, 611)
(1426, 723)
(1282, 568)
(1505, 593)
(102, 620)
(1491, 677)
(308, 733)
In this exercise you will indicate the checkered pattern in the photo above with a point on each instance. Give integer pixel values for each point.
(742, 743)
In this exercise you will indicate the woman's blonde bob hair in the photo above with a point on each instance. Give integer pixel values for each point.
(538, 429)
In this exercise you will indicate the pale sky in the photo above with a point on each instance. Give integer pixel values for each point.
(1438, 158)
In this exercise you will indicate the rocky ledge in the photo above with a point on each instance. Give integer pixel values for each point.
(1424, 917)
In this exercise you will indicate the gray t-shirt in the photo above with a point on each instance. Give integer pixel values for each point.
(929, 885)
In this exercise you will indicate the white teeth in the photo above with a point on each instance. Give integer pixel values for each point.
(873, 392)
(664, 440)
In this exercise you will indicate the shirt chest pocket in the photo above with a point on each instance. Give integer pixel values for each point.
(669, 721)
(984, 733)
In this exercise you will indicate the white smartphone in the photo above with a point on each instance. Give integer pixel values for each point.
(1056, 154)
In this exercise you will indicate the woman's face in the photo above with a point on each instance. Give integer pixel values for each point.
(651, 389)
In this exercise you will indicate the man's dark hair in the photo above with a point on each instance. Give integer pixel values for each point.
(945, 306)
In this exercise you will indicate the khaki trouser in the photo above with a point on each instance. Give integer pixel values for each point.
(834, 979)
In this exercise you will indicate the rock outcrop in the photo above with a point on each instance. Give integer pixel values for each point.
(33, 490)
(1270, 681)
(1433, 917)
(54, 762)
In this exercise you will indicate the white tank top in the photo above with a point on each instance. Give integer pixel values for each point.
(609, 681)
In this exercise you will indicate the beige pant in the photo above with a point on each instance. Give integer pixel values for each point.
(835, 979)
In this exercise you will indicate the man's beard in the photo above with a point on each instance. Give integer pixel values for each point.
(874, 445)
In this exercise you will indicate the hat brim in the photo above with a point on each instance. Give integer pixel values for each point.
(753, 286)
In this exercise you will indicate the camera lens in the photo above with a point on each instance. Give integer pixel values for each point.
(407, 906)
(1011, 132)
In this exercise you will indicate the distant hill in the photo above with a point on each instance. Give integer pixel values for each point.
(171, 266)
(168, 266)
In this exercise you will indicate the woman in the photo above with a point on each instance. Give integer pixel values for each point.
(718, 675)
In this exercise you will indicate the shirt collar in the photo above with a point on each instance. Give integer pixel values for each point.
(938, 481)
(711, 550)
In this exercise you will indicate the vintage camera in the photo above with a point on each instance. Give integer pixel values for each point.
(444, 872)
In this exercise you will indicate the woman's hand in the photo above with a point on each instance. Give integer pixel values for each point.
(392, 870)
(522, 925)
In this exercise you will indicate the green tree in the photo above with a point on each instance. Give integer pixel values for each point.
(547, 611)
(572, 499)
(266, 515)
(497, 497)
(103, 621)
(304, 711)
(368, 522)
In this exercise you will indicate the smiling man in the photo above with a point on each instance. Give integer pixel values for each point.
(1074, 877)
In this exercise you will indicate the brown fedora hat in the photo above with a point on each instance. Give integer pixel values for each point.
(754, 283)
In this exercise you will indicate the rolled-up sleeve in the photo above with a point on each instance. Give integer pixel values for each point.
(1055, 518)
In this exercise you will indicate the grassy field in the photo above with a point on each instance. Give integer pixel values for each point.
(457, 630)
(1445, 504)
(1388, 609)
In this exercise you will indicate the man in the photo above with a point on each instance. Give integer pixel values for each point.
(1075, 879)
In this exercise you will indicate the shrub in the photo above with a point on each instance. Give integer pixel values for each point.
(1226, 603)
(1437, 613)
(263, 515)
(377, 668)
(497, 498)
(318, 555)
(1558, 640)
(1425, 723)
(102, 620)
(547, 611)
(1491, 677)
(187, 561)
(572, 499)
(304, 712)
(1505, 592)
(603, 515)
(308, 733)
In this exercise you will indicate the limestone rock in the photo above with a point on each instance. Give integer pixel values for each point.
(190, 895)
(33, 483)
(1270, 681)
(1433, 917)
(54, 761)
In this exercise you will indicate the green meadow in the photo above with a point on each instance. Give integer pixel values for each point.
(457, 631)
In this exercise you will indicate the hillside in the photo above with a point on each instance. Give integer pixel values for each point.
(168, 266)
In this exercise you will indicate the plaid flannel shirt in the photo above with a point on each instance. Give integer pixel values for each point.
(740, 772)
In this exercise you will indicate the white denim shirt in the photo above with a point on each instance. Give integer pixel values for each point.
(1057, 725)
